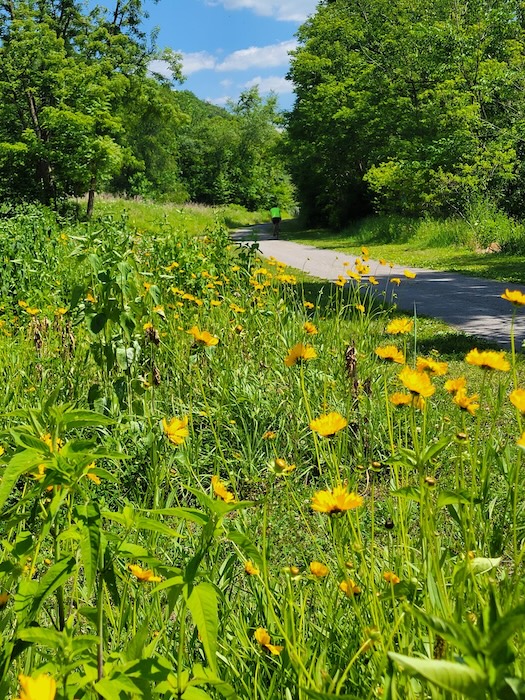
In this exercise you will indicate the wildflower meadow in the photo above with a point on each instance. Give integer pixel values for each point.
(221, 480)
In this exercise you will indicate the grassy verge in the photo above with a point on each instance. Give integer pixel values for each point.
(432, 245)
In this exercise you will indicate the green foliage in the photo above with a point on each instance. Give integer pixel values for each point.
(407, 107)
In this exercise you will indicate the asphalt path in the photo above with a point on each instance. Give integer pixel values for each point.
(471, 304)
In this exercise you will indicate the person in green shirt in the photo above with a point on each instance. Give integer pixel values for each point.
(275, 213)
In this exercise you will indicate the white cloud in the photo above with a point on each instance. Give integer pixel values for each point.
(259, 57)
(220, 101)
(160, 67)
(194, 62)
(285, 10)
(271, 84)
(226, 83)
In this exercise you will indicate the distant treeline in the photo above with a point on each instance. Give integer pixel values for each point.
(80, 111)
(408, 106)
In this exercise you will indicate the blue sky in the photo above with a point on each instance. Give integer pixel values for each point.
(229, 45)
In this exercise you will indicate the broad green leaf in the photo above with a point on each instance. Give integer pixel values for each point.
(514, 690)
(453, 677)
(502, 632)
(98, 322)
(193, 693)
(91, 541)
(450, 631)
(192, 514)
(156, 526)
(246, 546)
(169, 583)
(411, 493)
(110, 688)
(482, 565)
(20, 463)
(54, 577)
(44, 636)
(446, 498)
(203, 605)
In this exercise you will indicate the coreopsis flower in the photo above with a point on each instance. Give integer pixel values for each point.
(360, 308)
(43, 687)
(354, 276)
(400, 399)
(310, 328)
(517, 398)
(237, 309)
(176, 430)
(417, 382)
(391, 577)
(373, 280)
(299, 353)
(251, 569)
(328, 424)
(308, 305)
(435, 369)
(269, 435)
(488, 359)
(365, 252)
(340, 281)
(349, 588)
(220, 490)
(263, 638)
(409, 274)
(335, 501)
(391, 354)
(141, 574)
(466, 403)
(318, 569)
(281, 466)
(400, 326)
(453, 385)
(515, 297)
(395, 280)
(203, 337)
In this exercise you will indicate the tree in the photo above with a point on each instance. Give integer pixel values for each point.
(64, 75)
(406, 106)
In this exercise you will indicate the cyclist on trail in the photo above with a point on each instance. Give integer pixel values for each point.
(275, 213)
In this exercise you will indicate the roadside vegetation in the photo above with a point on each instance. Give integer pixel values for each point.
(220, 481)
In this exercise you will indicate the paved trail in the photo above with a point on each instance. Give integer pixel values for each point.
(471, 304)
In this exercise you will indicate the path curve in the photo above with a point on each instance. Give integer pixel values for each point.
(471, 304)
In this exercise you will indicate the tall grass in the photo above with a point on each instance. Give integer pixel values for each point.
(213, 486)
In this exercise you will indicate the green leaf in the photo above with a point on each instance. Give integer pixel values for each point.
(54, 577)
(455, 678)
(203, 605)
(504, 629)
(44, 636)
(20, 463)
(192, 514)
(447, 498)
(482, 565)
(110, 688)
(98, 322)
(82, 418)
(247, 547)
(169, 583)
(91, 541)
(411, 493)
(156, 526)
(192, 693)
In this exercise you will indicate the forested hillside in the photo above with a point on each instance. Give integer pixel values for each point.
(81, 112)
(408, 106)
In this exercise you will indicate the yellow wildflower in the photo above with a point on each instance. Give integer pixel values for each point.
(220, 490)
(251, 569)
(335, 501)
(237, 309)
(436, 369)
(488, 359)
(395, 280)
(349, 588)
(360, 308)
(515, 297)
(43, 687)
(517, 398)
(4, 599)
(353, 276)
(453, 385)
(318, 569)
(340, 281)
(466, 403)
(328, 424)
(372, 280)
(141, 574)
(310, 328)
(203, 337)
(409, 274)
(32, 310)
(391, 577)
(281, 466)
(176, 430)
(262, 636)
(416, 382)
(269, 435)
(308, 305)
(400, 399)
(391, 354)
(400, 326)
(91, 298)
(299, 353)
(23, 304)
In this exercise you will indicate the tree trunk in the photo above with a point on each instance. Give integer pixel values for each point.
(91, 197)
